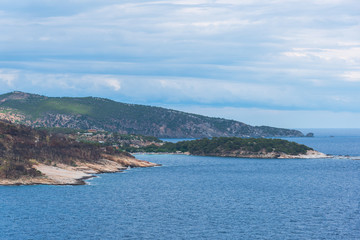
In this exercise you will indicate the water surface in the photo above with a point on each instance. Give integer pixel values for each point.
(197, 198)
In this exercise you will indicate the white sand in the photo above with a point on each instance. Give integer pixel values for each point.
(309, 154)
(62, 176)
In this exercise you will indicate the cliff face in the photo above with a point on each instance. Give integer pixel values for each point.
(103, 114)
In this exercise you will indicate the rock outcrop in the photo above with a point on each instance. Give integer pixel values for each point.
(29, 156)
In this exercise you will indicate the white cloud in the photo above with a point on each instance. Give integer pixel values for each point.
(275, 54)
(351, 44)
(349, 55)
(280, 118)
(351, 76)
(8, 77)
(113, 83)
(155, 89)
(333, 2)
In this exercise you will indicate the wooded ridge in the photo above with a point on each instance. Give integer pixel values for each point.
(104, 114)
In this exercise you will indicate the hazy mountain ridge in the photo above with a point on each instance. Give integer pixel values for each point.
(104, 114)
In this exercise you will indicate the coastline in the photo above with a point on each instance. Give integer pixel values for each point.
(311, 154)
(62, 174)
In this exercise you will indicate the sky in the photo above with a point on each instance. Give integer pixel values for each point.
(282, 63)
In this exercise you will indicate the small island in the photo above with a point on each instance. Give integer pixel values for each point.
(235, 147)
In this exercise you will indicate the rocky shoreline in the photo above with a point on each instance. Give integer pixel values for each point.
(29, 156)
(62, 174)
(310, 154)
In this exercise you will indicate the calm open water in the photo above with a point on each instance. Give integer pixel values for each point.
(199, 198)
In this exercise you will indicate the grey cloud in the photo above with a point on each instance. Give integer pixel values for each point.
(298, 54)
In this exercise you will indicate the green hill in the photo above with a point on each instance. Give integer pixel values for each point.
(231, 147)
(104, 114)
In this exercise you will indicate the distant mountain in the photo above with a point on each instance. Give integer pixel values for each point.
(104, 114)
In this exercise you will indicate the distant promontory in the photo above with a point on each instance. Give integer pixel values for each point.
(235, 147)
(65, 156)
(104, 114)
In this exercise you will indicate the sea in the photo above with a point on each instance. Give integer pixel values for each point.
(192, 197)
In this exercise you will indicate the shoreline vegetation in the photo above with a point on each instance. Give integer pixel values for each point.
(62, 174)
(251, 147)
(234, 147)
(31, 156)
(312, 154)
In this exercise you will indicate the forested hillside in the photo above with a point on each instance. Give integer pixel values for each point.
(104, 114)
(230, 146)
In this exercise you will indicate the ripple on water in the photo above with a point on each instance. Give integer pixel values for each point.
(194, 198)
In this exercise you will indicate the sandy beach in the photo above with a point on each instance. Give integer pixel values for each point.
(61, 174)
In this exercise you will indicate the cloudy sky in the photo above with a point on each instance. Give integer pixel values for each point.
(284, 63)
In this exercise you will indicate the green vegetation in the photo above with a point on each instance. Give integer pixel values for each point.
(118, 137)
(108, 115)
(109, 138)
(227, 145)
(57, 130)
(35, 107)
(64, 105)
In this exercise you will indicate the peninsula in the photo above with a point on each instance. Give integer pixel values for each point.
(107, 115)
(67, 157)
(235, 147)
(29, 156)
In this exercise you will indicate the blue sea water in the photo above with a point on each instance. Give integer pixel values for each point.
(193, 197)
